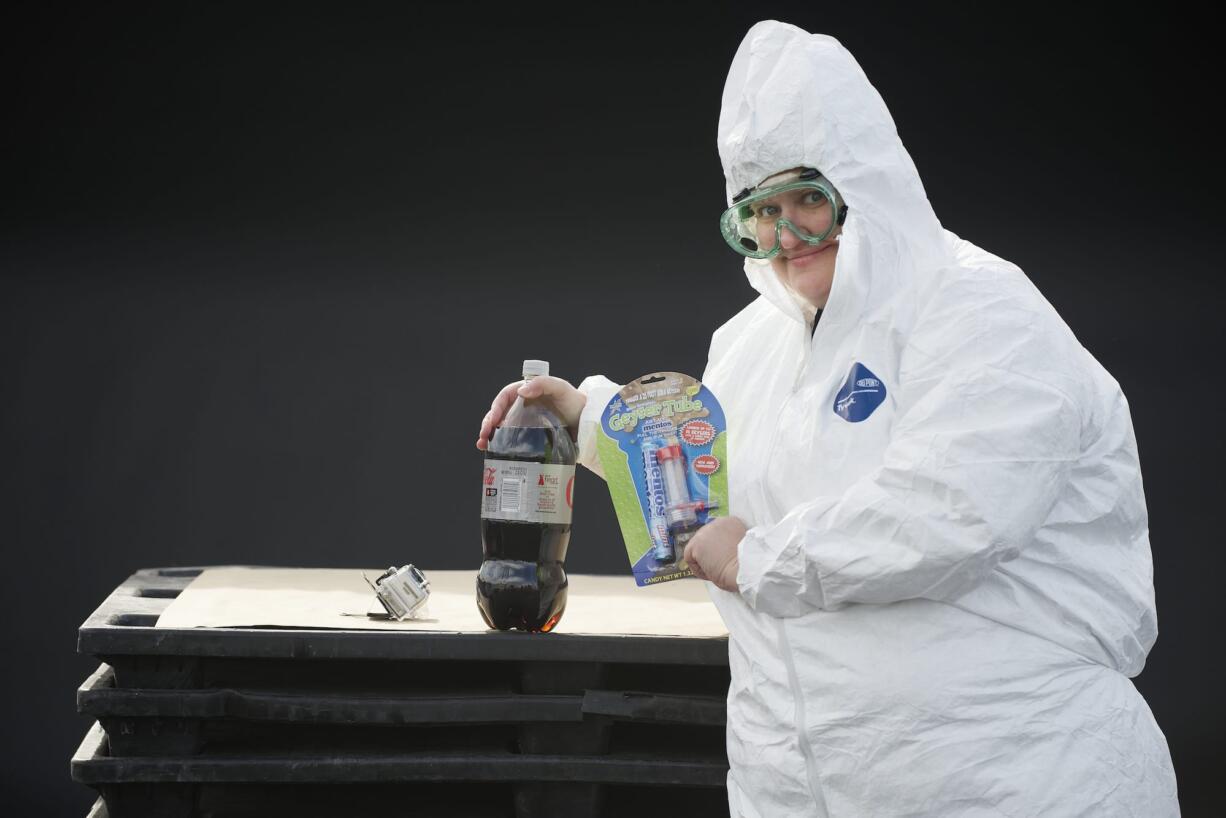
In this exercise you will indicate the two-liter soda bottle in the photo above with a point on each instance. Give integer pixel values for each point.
(526, 501)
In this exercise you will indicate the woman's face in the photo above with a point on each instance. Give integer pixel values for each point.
(806, 268)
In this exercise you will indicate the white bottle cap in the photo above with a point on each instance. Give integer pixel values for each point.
(534, 368)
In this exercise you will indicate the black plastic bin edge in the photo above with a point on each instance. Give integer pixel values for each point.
(124, 625)
(99, 697)
(92, 765)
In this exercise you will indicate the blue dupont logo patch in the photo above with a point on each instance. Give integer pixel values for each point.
(860, 395)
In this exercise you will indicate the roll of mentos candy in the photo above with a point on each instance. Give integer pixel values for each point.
(657, 525)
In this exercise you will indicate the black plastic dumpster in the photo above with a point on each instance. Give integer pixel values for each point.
(256, 721)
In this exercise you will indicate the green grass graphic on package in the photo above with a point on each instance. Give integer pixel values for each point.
(663, 444)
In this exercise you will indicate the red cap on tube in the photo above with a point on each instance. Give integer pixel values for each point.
(672, 452)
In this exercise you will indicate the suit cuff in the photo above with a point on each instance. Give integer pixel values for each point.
(599, 390)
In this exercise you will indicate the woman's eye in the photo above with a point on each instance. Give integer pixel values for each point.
(767, 211)
(814, 198)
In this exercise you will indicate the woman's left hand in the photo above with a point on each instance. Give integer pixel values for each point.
(711, 554)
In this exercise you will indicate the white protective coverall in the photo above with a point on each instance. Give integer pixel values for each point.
(946, 583)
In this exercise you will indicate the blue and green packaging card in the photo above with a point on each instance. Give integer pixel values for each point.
(663, 444)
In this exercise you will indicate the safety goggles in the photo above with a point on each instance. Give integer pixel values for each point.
(806, 204)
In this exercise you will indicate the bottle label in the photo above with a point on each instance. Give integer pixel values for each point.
(527, 492)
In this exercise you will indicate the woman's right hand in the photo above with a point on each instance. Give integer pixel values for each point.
(566, 401)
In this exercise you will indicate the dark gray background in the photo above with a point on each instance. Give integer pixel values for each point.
(263, 271)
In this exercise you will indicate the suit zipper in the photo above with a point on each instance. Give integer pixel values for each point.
(805, 354)
(798, 715)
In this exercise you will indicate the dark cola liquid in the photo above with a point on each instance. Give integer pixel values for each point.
(522, 582)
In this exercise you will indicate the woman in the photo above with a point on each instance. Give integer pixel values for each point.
(937, 577)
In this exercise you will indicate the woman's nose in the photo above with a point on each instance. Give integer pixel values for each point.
(787, 238)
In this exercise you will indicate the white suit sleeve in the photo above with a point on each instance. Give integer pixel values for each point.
(971, 471)
(599, 390)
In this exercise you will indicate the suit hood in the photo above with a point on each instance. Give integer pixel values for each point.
(795, 99)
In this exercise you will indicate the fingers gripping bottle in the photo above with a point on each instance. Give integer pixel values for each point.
(527, 488)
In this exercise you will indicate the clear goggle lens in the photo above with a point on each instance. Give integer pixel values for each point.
(809, 208)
